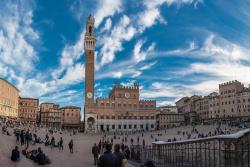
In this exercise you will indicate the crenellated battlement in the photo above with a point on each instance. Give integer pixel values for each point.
(229, 83)
(102, 98)
(147, 101)
(119, 86)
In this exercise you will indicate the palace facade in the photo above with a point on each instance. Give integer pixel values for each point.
(122, 110)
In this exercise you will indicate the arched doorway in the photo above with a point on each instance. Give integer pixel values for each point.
(91, 123)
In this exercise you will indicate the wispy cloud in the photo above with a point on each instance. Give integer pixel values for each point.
(130, 26)
(111, 43)
(107, 8)
(17, 37)
(225, 61)
(139, 54)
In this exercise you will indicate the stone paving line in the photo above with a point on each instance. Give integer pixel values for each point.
(82, 156)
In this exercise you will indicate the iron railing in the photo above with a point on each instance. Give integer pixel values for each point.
(231, 150)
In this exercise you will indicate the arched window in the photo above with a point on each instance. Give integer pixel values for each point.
(90, 30)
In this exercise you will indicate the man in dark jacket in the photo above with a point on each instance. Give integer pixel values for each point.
(95, 152)
(108, 159)
(27, 138)
(118, 155)
(22, 136)
(15, 154)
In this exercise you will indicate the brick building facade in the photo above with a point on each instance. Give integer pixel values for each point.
(168, 117)
(28, 109)
(71, 117)
(51, 115)
(9, 95)
(230, 103)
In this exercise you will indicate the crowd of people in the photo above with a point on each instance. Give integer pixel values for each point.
(37, 155)
(26, 137)
(5, 131)
(103, 156)
(108, 159)
(118, 158)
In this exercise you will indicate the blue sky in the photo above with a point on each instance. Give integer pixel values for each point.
(173, 48)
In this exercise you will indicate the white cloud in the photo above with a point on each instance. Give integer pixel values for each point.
(139, 54)
(128, 27)
(113, 42)
(147, 66)
(227, 60)
(117, 74)
(221, 49)
(17, 36)
(128, 83)
(192, 48)
(205, 87)
(171, 92)
(165, 102)
(70, 54)
(37, 87)
(77, 8)
(107, 26)
(152, 14)
(163, 90)
(149, 17)
(73, 75)
(107, 8)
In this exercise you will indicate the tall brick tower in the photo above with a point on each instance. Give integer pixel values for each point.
(89, 48)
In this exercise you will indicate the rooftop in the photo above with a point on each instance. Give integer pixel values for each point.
(9, 84)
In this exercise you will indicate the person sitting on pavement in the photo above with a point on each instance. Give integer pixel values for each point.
(41, 158)
(15, 155)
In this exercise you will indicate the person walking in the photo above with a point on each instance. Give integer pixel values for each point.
(17, 136)
(143, 143)
(22, 137)
(100, 145)
(95, 152)
(61, 144)
(71, 145)
(108, 159)
(27, 138)
(131, 141)
(52, 142)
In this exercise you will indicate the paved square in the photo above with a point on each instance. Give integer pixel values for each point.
(82, 156)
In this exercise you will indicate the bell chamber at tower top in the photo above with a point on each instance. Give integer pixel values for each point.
(90, 40)
(89, 43)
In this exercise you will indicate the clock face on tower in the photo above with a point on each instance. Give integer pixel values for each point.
(89, 95)
(127, 95)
